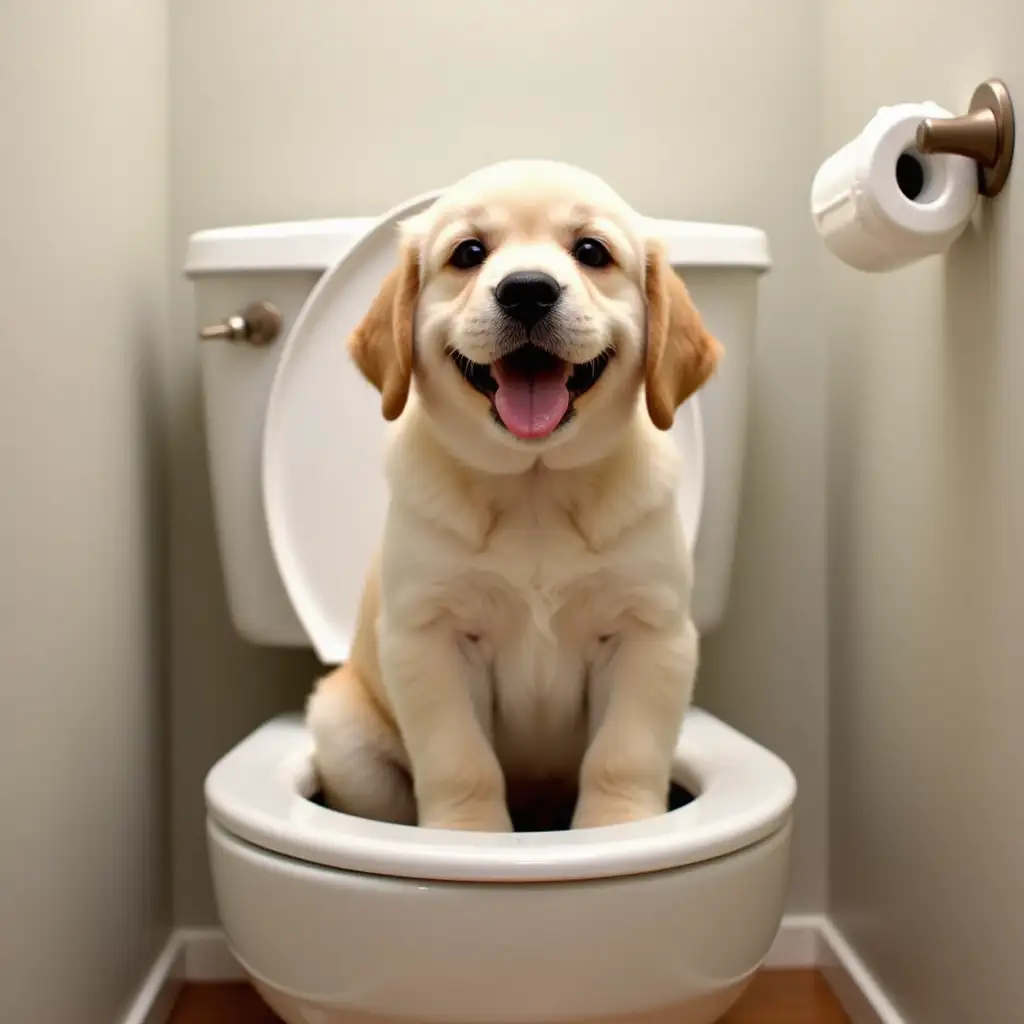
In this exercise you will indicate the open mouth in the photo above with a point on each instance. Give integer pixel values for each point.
(531, 390)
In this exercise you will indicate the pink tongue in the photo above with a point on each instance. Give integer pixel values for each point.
(531, 406)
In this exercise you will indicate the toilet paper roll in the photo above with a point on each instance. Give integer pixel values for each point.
(880, 203)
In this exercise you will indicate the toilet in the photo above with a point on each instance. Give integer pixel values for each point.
(340, 920)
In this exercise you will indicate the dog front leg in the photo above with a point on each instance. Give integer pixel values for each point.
(457, 778)
(647, 684)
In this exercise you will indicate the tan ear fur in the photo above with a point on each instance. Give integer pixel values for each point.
(382, 344)
(681, 354)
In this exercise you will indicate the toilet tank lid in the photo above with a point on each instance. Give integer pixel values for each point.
(315, 245)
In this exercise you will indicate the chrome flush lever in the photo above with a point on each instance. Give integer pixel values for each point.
(258, 324)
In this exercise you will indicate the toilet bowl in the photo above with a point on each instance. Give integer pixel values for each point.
(339, 920)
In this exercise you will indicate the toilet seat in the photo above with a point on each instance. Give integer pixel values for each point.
(259, 793)
(323, 457)
(319, 453)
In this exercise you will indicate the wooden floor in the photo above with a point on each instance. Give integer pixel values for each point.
(774, 997)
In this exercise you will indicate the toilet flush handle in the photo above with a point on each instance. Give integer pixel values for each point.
(258, 324)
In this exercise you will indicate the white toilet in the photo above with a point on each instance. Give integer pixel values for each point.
(341, 920)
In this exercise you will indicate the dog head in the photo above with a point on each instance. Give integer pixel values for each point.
(531, 307)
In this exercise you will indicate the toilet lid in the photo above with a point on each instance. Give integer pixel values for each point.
(324, 492)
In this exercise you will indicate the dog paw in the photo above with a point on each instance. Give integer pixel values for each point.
(464, 819)
(601, 811)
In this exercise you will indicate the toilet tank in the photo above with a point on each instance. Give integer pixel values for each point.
(280, 263)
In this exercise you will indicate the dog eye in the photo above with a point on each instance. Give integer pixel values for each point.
(468, 254)
(591, 253)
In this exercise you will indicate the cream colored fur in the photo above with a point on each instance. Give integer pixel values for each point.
(527, 621)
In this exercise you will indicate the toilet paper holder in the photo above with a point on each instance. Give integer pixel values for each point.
(985, 134)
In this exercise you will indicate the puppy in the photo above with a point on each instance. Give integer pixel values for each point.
(526, 623)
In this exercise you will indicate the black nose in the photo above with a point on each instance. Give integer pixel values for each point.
(527, 295)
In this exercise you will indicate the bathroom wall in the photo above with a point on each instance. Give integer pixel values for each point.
(926, 550)
(299, 108)
(84, 885)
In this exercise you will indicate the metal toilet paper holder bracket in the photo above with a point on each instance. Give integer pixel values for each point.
(985, 134)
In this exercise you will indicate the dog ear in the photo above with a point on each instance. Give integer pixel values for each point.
(681, 354)
(381, 346)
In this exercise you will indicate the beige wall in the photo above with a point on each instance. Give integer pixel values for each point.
(308, 109)
(926, 555)
(84, 892)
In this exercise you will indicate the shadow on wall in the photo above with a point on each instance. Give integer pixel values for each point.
(244, 684)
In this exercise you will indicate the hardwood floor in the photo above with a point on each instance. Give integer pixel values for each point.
(787, 997)
(220, 1004)
(774, 997)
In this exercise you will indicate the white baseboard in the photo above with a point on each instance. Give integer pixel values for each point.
(798, 943)
(154, 1000)
(863, 999)
(804, 941)
(206, 956)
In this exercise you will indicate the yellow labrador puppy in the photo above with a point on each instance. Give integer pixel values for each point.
(527, 622)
